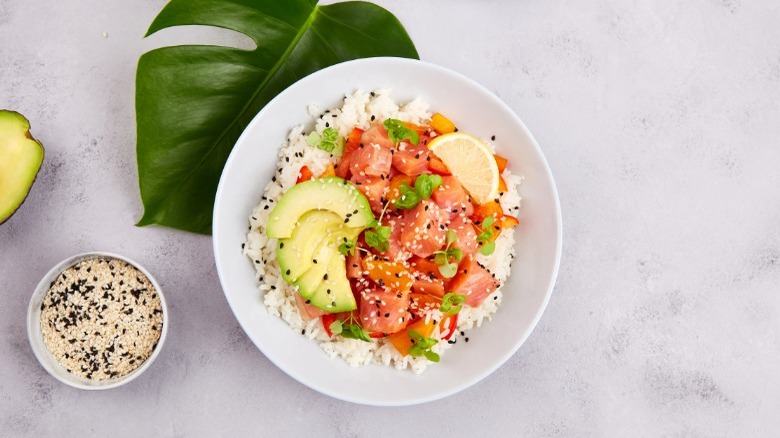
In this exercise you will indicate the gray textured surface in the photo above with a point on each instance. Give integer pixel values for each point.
(660, 120)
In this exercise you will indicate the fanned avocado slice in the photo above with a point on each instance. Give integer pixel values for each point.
(330, 194)
(296, 254)
(325, 283)
(21, 157)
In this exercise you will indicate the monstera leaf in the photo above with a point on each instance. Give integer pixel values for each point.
(193, 102)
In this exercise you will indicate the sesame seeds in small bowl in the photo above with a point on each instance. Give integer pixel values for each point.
(97, 320)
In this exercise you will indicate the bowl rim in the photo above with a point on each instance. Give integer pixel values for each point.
(44, 356)
(557, 222)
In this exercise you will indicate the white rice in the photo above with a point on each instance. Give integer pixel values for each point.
(279, 297)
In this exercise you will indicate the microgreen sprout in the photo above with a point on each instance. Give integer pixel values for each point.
(328, 141)
(423, 188)
(349, 330)
(444, 257)
(378, 238)
(422, 346)
(397, 131)
(347, 247)
(487, 246)
(451, 303)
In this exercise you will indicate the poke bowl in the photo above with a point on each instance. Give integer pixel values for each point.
(251, 187)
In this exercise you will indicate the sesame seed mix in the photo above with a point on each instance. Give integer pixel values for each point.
(101, 318)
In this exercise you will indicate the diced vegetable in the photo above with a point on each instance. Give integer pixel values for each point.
(441, 124)
(304, 174)
(327, 320)
(491, 208)
(402, 341)
(395, 186)
(437, 166)
(391, 275)
(329, 171)
(508, 222)
(500, 162)
(448, 326)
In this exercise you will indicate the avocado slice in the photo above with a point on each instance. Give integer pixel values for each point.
(330, 194)
(296, 254)
(335, 293)
(21, 160)
(324, 282)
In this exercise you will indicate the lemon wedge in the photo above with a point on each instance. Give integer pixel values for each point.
(469, 160)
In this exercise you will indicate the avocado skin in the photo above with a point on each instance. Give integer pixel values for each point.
(7, 119)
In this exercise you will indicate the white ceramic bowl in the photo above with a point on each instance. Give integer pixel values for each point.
(477, 111)
(35, 336)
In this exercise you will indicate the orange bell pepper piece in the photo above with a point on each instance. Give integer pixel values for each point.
(441, 124)
(403, 342)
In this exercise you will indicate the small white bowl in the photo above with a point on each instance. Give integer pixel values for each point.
(45, 357)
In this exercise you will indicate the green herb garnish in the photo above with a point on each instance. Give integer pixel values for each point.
(347, 247)
(444, 257)
(423, 188)
(328, 141)
(349, 330)
(486, 245)
(397, 131)
(408, 199)
(378, 238)
(425, 184)
(451, 303)
(422, 346)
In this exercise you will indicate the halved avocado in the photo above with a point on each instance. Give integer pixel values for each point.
(21, 159)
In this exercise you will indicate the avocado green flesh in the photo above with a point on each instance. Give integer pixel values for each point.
(335, 293)
(330, 194)
(323, 283)
(21, 157)
(296, 254)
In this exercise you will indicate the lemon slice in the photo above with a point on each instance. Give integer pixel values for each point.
(469, 160)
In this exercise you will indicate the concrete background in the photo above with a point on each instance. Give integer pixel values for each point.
(660, 120)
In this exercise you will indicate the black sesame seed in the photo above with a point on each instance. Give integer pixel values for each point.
(493, 137)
